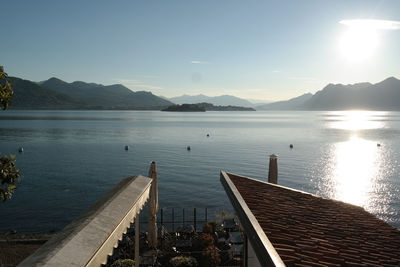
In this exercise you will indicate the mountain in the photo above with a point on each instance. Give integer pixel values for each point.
(100, 96)
(223, 100)
(30, 95)
(384, 95)
(57, 94)
(291, 104)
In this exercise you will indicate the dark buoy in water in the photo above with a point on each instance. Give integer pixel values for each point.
(378, 145)
(21, 149)
(208, 135)
(126, 148)
(188, 148)
(291, 146)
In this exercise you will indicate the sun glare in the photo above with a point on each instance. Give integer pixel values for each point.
(354, 120)
(355, 170)
(359, 42)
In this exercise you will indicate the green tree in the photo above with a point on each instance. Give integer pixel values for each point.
(9, 175)
(6, 92)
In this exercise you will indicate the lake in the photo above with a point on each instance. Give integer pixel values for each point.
(71, 158)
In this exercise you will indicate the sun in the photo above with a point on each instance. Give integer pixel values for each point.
(359, 42)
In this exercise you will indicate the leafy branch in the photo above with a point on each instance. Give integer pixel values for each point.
(9, 175)
(6, 92)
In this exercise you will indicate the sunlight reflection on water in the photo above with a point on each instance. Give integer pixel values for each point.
(329, 158)
(355, 170)
(356, 120)
(357, 162)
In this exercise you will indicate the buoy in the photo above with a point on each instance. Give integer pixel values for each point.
(21, 149)
(126, 147)
(378, 144)
(208, 135)
(188, 148)
(291, 146)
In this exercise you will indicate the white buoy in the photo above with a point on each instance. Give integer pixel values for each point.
(21, 149)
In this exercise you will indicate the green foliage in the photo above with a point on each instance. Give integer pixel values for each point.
(223, 213)
(123, 263)
(211, 257)
(209, 227)
(182, 261)
(9, 175)
(6, 92)
(206, 240)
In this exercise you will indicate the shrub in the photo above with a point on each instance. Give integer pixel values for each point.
(123, 263)
(182, 261)
(9, 175)
(206, 240)
(209, 227)
(211, 257)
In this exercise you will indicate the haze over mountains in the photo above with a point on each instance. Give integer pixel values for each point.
(223, 100)
(384, 95)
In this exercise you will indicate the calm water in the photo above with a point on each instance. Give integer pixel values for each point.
(71, 158)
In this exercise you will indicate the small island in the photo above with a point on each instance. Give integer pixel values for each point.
(202, 107)
(185, 108)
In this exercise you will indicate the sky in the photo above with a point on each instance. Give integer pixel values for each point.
(259, 50)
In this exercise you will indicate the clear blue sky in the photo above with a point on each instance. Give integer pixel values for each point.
(251, 49)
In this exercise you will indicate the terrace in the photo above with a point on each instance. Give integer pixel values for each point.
(272, 226)
(116, 228)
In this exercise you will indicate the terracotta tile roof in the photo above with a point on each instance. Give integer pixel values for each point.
(307, 230)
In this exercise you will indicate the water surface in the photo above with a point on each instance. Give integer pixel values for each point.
(71, 158)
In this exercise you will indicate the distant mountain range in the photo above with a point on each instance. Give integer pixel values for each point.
(223, 100)
(384, 95)
(57, 94)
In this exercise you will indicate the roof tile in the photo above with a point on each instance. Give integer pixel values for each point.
(307, 230)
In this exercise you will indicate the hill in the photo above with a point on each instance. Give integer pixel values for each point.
(57, 94)
(291, 104)
(384, 95)
(30, 95)
(100, 96)
(223, 100)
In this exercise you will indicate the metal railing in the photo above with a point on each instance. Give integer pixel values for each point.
(172, 218)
